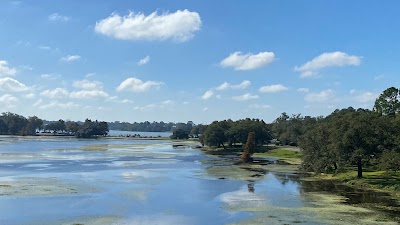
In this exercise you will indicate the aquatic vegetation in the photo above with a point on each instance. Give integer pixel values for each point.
(37, 186)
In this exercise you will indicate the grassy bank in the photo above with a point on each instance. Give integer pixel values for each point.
(286, 155)
(375, 180)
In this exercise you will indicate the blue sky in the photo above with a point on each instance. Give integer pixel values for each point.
(194, 60)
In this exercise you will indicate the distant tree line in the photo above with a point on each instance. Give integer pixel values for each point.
(232, 133)
(149, 126)
(14, 124)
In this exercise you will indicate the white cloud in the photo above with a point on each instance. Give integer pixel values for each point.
(244, 97)
(180, 25)
(168, 104)
(144, 61)
(55, 93)
(88, 85)
(30, 96)
(37, 103)
(88, 94)
(273, 88)
(44, 47)
(305, 90)
(58, 17)
(207, 95)
(136, 85)
(90, 75)
(240, 61)
(324, 96)
(8, 101)
(126, 101)
(363, 97)
(325, 60)
(11, 85)
(58, 105)
(258, 106)
(226, 85)
(379, 77)
(71, 58)
(50, 76)
(205, 109)
(5, 70)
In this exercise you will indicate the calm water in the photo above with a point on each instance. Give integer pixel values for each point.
(117, 181)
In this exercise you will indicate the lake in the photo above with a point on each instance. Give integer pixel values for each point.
(141, 133)
(123, 181)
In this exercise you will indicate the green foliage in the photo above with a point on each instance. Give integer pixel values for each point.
(91, 129)
(56, 126)
(14, 123)
(388, 103)
(180, 134)
(235, 132)
(390, 160)
(289, 129)
(248, 149)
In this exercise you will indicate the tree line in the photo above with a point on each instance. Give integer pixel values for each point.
(151, 126)
(344, 139)
(232, 133)
(14, 124)
(351, 137)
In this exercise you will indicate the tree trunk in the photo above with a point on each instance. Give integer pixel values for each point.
(359, 168)
(223, 146)
(335, 166)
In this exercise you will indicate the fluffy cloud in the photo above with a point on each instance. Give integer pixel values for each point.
(55, 93)
(136, 85)
(58, 105)
(58, 17)
(324, 96)
(71, 58)
(207, 95)
(325, 60)
(5, 70)
(8, 101)
(88, 94)
(273, 88)
(180, 26)
(168, 104)
(88, 85)
(258, 106)
(30, 96)
(144, 61)
(226, 85)
(50, 76)
(363, 97)
(244, 97)
(305, 90)
(240, 61)
(11, 85)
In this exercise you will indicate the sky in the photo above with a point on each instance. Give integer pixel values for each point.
(200, 61)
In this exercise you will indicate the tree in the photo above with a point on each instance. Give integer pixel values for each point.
(15, 123)
(388, 103)
(248, 149)
(72, 127)
(34, 123)
(90, 129)
(180, 134)
(390, 160)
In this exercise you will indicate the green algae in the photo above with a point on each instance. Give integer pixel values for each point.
(321, 209)
(36, 186)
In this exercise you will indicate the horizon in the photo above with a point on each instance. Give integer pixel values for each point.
(196, 61)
